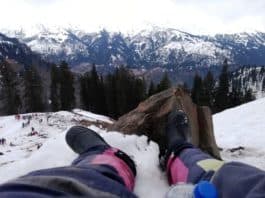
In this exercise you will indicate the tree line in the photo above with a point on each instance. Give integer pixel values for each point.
(12, 91)
(221, 94)
(114, 94)
(117, 93)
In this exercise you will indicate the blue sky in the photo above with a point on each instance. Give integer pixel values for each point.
(195, 16)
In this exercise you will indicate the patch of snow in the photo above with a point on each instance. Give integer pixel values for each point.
(242, 126)
(92, 116)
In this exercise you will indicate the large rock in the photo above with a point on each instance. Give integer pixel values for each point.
(150, 116)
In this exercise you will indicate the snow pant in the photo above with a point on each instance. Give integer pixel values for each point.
(107, 172)
(100, 172)
(231, 179)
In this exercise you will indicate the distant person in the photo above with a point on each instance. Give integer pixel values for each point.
(48, 117)
(11, 144)
(33, 132)
(103, 171)
(39, 145)
(28, 122)
(2, 141)
(17, 117)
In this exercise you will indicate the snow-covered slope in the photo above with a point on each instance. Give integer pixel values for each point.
(23, 154)
(243, 126)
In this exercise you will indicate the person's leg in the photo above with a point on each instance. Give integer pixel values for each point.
(191, 165)
(231, 179)
(184, 162)
(111, 162)
(99, 171)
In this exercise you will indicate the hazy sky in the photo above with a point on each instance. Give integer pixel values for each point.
(195, 16)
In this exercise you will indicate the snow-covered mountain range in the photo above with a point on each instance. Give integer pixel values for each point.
(147, 49)
(23, 153)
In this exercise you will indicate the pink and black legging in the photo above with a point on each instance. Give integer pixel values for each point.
(108, 172)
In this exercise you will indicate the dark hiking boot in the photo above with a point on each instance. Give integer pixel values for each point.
(178, 135)
(80, 139)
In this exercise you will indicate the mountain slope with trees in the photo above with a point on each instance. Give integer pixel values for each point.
(163, 47)
(222, 93)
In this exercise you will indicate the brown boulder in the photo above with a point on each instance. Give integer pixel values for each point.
(150, 116)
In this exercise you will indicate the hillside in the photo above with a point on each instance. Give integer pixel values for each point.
(18, 52)
(242, 126)
(250, 77)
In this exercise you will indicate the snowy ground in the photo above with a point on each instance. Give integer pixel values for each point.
(24, 155)
(242, 126)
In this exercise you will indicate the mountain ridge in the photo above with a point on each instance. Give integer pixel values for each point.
(170, 48)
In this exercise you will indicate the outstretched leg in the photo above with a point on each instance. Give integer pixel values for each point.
(99, 171)
(188, 164)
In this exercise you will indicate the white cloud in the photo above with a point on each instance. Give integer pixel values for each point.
(196, 16)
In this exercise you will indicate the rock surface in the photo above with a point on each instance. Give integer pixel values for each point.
(150, 116)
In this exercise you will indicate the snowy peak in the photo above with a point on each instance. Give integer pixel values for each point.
(11, 48)
(163, 47)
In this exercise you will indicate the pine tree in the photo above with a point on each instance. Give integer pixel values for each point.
(262, 71)
(253, 75)
(139, 90)
(263, 84)
(67, 90)
(111, 95)
(123, 92)
(248, 96)
(54, 88)
(222, 93)
(84, 90)
(236, 97)
(9, 94)
(151, 90)
(94, 90)
(209, 85)
(197, 90)
(33, 90)
(164, 83)
(102, 104)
